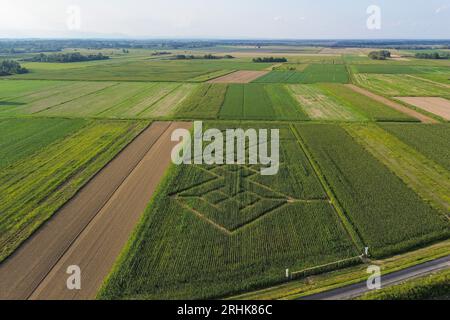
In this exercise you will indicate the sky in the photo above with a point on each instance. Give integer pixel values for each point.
(226, 19)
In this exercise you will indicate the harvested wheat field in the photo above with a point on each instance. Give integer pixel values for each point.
(435, 105)
(240, 77)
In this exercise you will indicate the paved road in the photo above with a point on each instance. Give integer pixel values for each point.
(356, 290)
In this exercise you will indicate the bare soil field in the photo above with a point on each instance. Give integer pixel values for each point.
(397, 106)
(435, 105)
(240, 77)
(94, 209)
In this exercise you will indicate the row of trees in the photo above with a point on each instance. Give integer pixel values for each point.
(380, 55)
(269, 60)
(433, 55)
(67, 57)
(161, 53)
(9, 67)
(206, 56)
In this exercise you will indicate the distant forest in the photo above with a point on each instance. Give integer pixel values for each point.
(433, 55)
(66, 57)
(206, 56)
(269, 60)
(41, 45)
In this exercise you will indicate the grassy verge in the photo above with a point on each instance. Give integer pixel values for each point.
(435, 286)
(332, 280)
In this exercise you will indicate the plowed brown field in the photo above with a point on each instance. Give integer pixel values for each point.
(397, 106)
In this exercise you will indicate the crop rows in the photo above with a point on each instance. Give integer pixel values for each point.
(42, 99)
(20, 138)
(371, 109)
(217, 230)
(322, 106)
(313, 73)
(260, 102)
(139, 69)
(37, 185)
(281, 77)
(97, 99)
(388, 216)
(203, 103)
(425, 177)
(401, 85)
(396, 69)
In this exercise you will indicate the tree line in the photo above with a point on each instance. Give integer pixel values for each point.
(67, 57)
(433, 55)
(269, 60)
(380, 55)
(206, 56)
(10, 67)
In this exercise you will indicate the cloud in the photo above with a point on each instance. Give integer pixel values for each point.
(277, 18)
(442, 8)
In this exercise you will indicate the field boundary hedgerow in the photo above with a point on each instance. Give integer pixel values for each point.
(348, 226)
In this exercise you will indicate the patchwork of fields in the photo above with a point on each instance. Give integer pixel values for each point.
(388, 216)
(35, 186)
(260, 102)
(224, 229)
(145, 70)
(314, 73)
(393, 85)
(357, 168)
(432, 141)
(320, 106)
(96, 99)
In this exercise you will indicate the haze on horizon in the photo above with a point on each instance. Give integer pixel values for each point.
(231, 19)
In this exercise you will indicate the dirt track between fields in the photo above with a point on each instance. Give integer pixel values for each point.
(240, 77)
(435, 105)
(92, 228)
(397, 106)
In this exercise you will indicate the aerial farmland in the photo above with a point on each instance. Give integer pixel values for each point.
(87, 178)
